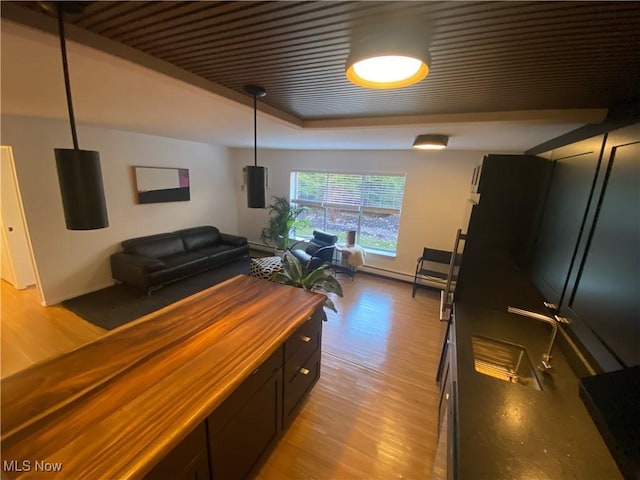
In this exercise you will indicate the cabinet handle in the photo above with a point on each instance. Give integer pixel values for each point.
(304, 371)
(305, 339)
(446, 397)
(255, 371)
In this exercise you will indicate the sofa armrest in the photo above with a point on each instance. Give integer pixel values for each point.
(133, 269)
(235, 240)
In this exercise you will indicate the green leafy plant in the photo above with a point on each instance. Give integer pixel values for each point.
(282, 217)
(320, 279)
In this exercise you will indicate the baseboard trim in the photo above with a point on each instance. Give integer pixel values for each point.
(58, 300)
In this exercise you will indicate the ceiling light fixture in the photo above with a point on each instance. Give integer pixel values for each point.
(79, 173)
(431, 142)
(255, 176)
(388, 58)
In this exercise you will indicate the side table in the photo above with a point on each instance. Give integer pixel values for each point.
(348, 259)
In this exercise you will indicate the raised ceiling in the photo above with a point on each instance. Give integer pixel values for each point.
(487, 57)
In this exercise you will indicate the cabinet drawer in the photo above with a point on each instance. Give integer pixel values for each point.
(299, 358)
(303, 335)
(244, 392)
(297, 387)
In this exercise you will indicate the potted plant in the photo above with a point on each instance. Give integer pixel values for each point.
(320, 279)
(282, 217)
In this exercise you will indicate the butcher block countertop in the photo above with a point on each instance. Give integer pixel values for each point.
(114, 407)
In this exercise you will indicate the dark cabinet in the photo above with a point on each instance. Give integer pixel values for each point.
(605, 295)
(446, 463)
(587, 258)
(237, 437)
(247, 424)
(187, 461)
(570, 192)
(502, 227)
(302, 364)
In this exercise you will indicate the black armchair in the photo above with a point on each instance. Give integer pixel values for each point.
(317, 251)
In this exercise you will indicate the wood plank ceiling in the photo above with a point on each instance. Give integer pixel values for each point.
(486, 56)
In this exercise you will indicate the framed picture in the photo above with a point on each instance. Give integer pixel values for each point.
(162, 184)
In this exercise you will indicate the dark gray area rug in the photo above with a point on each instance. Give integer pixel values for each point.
(114, 306)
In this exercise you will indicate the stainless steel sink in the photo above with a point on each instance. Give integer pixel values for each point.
(503, 360)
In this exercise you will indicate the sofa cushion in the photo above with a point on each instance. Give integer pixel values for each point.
(155, 246)
(219, 254)
(198, 237)
(179, 265)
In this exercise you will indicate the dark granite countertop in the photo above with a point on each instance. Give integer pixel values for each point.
(510, 431)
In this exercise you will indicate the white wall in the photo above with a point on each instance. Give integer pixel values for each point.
(70, 263)
(435, 201)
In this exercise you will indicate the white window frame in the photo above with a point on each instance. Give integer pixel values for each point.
(361, 209)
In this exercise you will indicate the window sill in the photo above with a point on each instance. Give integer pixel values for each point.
(380, 253)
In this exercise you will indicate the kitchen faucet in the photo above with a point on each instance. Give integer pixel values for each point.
(545, 363)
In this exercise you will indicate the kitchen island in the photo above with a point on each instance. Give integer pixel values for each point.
(189, 373)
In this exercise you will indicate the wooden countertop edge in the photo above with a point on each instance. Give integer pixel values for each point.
(18, 387)
(214, 391)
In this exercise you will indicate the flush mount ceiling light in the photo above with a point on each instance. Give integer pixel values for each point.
(431, 142)
(255, 176)
(391, 57)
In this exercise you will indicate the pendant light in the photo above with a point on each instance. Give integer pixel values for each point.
(79, 173)
(255, 176)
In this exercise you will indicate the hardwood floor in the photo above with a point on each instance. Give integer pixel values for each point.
(30, 333)
(372, 414)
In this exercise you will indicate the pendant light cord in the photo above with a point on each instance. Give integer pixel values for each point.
(67, 83)
(255, 130)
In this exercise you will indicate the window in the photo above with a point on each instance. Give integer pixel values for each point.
(338, 202)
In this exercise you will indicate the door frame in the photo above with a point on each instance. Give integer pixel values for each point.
(25, 225)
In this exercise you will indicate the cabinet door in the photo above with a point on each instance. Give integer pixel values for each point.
(240, 442)
(501, 230)
(187, 461)
(570, 192)
(247, 423)
(607, 290)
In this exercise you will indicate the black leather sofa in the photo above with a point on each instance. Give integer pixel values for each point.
(155, 260)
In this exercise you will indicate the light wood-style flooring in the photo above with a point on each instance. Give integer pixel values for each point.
(30, 333)
(372, 414)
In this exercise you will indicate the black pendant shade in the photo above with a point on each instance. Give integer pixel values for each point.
(79, 173)
(256, 177)
(80, 179)
(256, 183)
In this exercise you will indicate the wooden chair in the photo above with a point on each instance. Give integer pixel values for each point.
(433, 267)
